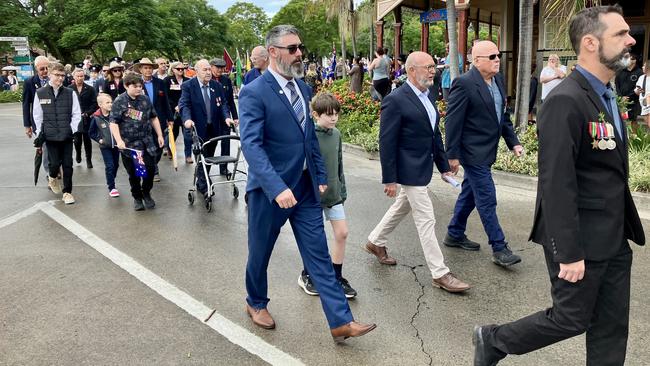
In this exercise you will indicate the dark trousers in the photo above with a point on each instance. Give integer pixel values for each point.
(59, 154)
(82, 137)
(599, 304)
(208, 151)
(111, 163)
(140, 187)
(187, 140)
(224, 130)
(265, 219)
(382, 86)
(478, 192)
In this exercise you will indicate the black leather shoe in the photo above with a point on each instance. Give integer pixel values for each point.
(138, 205)
(149, 203)
(89, 164)
(463, 243)
(505, 257)
(78, 157)
(484, 354)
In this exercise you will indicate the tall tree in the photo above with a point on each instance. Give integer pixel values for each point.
(524, 61)
(247, 24)
(452, 57)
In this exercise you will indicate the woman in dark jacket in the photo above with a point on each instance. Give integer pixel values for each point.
(173, 85)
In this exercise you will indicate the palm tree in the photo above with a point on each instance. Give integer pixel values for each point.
(524, 61)
(452, 56)
(343, 10)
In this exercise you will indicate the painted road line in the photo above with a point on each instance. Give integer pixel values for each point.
(18, 216)
(233, 332)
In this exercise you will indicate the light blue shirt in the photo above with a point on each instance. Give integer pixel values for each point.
(426, 102)
(498, 99)
(149, 86)
(601, 89)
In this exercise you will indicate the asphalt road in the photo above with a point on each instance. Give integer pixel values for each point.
(96, 283)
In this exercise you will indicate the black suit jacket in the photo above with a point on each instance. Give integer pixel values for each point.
(584, 208)
(408, 145)
(108, 87)
(228, 91)
(29, 90)
(472, 131)
(160, 101)
(173, 91)
(87, 103)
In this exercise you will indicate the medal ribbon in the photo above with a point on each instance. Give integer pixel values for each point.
(601, 131)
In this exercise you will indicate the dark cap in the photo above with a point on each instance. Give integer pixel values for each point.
(218, 62)
(117, 59)
(79, 65)
(96, 68)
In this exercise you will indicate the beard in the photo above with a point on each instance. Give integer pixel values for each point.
(294, 70)
(615, 63)
(425, 82)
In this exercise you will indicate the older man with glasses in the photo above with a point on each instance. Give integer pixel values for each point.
(161, 71)
(29, 90)
(476, 120)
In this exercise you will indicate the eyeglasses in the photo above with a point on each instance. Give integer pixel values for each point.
(180, 69)
(429, 68)
(117, 70)
(293, 48)
(42, 68)
(492, 56)
(57, 75)
(106, 70)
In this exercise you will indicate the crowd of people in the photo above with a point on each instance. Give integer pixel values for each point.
(584, 213)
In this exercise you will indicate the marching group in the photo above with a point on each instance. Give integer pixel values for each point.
(584, 212)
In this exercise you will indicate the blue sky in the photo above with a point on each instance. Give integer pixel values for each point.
(270, 6)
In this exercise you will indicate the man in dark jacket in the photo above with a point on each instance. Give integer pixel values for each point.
(173, 84)
(475, 122)
(29, 90)
(88, 104)
(409, 144)
(218, 66)
(584, 213)
(57, 115)
(626, 83)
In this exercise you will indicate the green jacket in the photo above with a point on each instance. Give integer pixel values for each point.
(331, 149)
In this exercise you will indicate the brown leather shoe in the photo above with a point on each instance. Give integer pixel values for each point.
(261, 317)
(450, 283)
(189, 161)
(381, 253)
(352, 329)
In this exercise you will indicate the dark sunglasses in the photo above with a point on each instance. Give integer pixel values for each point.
(293, 48)
(492, 56)
(179, 68)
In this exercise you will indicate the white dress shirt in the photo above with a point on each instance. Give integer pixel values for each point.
(424, 98)
(37, 112)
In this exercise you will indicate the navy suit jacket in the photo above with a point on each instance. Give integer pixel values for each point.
(272, 140)
(472, 130)
(29, 90)
(160, 101)
(192, 106)
(226, 85)
(408, 144)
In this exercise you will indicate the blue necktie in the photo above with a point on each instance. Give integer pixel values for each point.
(610, 97)
(297, 105)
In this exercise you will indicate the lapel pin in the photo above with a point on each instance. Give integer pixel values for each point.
(281, 92)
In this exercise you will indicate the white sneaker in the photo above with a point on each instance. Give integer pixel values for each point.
(68, 199)
(114, 193)
(54, 185)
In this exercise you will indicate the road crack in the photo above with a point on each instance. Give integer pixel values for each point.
(417, 309)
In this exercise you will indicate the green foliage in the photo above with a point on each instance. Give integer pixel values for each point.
(640, 170)
(248, 23)
(526, 164)
(10, 96)
(638, 139)
(316, 32)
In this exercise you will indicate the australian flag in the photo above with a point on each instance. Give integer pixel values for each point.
(331, 74)
(138, 163)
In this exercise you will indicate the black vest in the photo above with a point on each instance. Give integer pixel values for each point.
(57, 113)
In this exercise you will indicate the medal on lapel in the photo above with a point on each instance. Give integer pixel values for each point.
(602, 134)
(218, 101)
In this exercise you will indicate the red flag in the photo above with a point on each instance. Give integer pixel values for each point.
(228, 60)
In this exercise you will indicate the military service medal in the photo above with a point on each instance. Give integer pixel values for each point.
(602, 134)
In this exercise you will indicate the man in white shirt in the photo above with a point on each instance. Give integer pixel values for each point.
(57, 115)
(551, 75)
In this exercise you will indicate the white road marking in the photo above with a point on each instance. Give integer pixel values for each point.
(233, 332)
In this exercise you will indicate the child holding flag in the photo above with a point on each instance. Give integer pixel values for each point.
(100, 131)
(132, 118)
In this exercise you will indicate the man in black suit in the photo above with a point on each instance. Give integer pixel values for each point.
(155, 89)
(584, 213)
(88, 104)
(29, 90)
(409, 144)
(218, 66)
(475, 122)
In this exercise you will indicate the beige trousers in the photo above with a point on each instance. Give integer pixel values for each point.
(415, 199)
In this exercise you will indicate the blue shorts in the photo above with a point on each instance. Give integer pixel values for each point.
(334, 213)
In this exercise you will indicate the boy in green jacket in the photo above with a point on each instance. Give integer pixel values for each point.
(325, 111)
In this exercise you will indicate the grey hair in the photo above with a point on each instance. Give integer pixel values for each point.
(273, 37)
(78, 70)
(587, 21)
(41, 59)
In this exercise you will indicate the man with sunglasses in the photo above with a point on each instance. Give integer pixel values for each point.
(218, 66)
(286, 176)
(584, 214)
(476, 120)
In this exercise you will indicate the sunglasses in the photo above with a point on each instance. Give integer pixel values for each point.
(492, 56)
(180, 69)
(293, 48)
(117, 70)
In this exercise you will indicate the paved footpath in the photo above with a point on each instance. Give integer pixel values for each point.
(96, 283)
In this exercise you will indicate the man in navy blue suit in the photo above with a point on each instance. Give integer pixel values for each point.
(476, 120)
(203, 106)
(409, 144)
(286, 177)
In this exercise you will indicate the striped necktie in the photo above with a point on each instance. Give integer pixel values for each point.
(297, 105)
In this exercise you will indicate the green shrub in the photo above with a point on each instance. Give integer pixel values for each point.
(10, 96)
(638, 138)
(640, 170)
(526, 164)
(368, 140)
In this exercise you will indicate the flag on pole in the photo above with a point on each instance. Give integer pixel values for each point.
(332, 70)
(228, 59)
(172, 147)
(248, 62)
(138, 163)
(239, 69)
